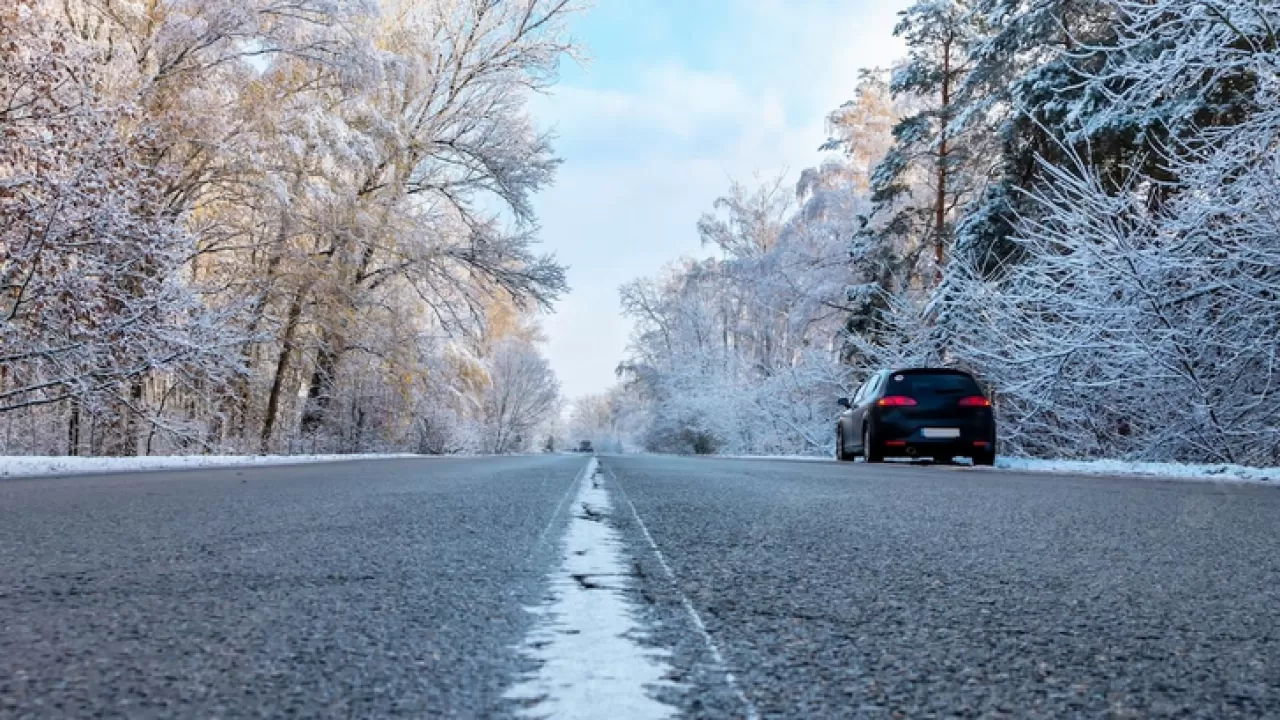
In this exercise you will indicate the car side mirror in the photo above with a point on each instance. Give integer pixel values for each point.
(843, 402)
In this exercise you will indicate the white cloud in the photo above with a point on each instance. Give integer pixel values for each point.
(670, 100)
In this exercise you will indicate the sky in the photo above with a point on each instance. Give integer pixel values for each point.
(678, 98)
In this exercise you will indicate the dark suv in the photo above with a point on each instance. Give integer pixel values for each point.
(919, 412)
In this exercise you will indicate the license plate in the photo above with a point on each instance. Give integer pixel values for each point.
(941, 432)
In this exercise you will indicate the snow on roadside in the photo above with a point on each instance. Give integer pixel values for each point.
(42, 465)
(794, 458)
(1220, 472)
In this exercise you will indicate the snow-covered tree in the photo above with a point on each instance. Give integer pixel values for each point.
(95, 301)
(449, 138)
(1140, 317)
(742, 353)
(1027, 91)
(1101, 177)
(929, 172)
(521, 395)
(344, 186)
(602, 420)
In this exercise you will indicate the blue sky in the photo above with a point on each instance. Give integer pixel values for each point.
(678, 98)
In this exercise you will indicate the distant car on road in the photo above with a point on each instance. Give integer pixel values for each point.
(935, 413)
(585, 446)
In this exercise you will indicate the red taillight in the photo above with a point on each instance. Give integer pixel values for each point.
(976, 401)
(896, 401)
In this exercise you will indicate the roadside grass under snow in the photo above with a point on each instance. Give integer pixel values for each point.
(1220, 472)
(41, 465)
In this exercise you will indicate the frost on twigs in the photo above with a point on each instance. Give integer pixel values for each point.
(93, 298)
(1074, 199)
(237, 224)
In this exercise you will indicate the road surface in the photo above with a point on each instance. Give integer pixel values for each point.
(412, 588)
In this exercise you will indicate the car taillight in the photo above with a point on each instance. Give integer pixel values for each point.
(976, 401)
(896, 401)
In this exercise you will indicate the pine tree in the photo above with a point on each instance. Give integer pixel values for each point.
(1029, 90)
(926, 176)
(931, 172)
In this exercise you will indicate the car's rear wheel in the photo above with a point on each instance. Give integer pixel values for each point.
(986, 458)
(841, 454)
(871, 451)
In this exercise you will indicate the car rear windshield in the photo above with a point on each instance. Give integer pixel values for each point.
(918, 384)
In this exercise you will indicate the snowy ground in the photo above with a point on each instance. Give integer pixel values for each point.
(797, 458)
(35, 465)
(30, 466)
(1177, 471)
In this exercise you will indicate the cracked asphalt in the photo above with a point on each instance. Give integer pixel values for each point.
(399, 588)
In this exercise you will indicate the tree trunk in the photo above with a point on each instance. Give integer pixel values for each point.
(95, 437)
(129, 420)
(257, 311)
(320, 389)
(359, 439)
(151, 433)
(73, 430)
(940, 203)
(282, 371)
(333, 347)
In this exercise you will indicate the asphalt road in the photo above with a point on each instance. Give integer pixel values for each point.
(362, 589)
(914, 591)
(789, 589)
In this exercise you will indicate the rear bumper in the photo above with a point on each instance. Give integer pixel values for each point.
(935, 448)
(906, 438)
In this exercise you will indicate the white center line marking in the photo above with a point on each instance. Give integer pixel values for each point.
(591, 664)
(568, 492)
(751, 712)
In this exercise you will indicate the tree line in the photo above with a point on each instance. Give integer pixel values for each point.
(274, 225)
(1074, 199)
